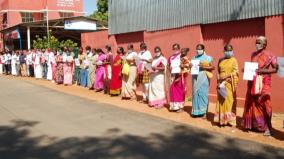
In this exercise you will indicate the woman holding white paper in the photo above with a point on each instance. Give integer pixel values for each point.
(200, 83)
(178, 85)
(258, 111)
(228, 76)
(157, 92)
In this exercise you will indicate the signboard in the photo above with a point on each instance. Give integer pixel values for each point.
(80, 25)
(65, 3)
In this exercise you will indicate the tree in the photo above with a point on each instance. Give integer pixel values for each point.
(54, 43)
(102, 11)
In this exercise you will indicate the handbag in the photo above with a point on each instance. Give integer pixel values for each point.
(257, 85)
(125, 69)
(222, 90)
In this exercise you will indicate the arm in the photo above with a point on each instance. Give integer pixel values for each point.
(273, 70)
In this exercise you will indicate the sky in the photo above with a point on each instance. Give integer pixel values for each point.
(89, 6)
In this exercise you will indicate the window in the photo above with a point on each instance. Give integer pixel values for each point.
(39, 16)
(66, 14)
(27, 17)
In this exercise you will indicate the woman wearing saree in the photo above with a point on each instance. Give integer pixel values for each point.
(116, 78)
(200, 83)
(100, 71)
(227, 79)
(68, 68)
(92, 69)
(258, 111)
(59, 75)
(157, 92)
(129, 71)
(177, 86)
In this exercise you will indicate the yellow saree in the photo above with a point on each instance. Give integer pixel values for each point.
(225, 108)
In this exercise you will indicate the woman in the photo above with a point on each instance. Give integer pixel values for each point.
(129, 71)
(258, 111)
(200, 83)
(92, 69)
(227, 79)
(14, 64)
(68, 68)
(37, 64)
(116, 80)
(143, 73)
(157, 93)
(100, 71)
(59, 76)
(50, 61)
(1, 63)
(85, 66)
(77, 64)
(178, 84)
(108, 64)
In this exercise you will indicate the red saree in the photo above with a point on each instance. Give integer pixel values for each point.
(258, 111)
(116, 81)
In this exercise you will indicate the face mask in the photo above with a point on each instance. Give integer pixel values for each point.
(158, 54)
(228, 54)
(88, 51)
(199, 52)
(259, 47)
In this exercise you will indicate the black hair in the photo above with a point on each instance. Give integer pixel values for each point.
(120, 50)
(176, 45)
(88, 48)
(143, 46)
(200, 45)
(108, 48)
(227, 47)
(130, 46)
(157, 48)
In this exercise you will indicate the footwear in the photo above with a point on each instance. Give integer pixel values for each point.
(179, 111)
(267, 133)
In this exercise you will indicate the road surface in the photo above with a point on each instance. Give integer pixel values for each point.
(40, 123)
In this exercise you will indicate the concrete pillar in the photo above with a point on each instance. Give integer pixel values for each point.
(29, 37)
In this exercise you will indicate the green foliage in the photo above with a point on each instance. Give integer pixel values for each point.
(68, 43)
(102, 13)
(54, 43)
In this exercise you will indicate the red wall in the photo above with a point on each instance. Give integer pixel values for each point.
(241, 34)
(14, 17)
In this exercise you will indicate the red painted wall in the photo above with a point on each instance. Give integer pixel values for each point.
(14, 17)
(241, 34)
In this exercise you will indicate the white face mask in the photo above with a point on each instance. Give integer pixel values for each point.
(259, 47)
(158, 54)
(199, 52)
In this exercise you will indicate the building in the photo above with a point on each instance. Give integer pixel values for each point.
(16, 12)
(189, 22)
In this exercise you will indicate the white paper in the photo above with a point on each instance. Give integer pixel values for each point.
(195, 67)
(77, 62)
(250, 70)
(64, 58)
(175, 65)
(280, 61)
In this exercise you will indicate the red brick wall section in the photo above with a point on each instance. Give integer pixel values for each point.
(240, 34)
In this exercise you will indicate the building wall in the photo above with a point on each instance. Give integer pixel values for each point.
(241, 34)
(14, 17)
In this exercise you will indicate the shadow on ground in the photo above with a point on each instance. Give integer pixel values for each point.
(180, 142)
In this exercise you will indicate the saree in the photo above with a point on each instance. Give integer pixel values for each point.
(200, 88)
(91, 72)
(37, 66)
(258, 111)
(68, 71)
(225, 107)
(59, 75)
(177, 87)
(157, 92)
(116, 81)
(49, 66)
(100, 72)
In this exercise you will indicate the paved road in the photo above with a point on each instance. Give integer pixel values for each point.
(37, 122)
